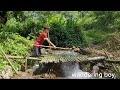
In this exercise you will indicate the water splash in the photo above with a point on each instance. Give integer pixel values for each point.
(71, 71)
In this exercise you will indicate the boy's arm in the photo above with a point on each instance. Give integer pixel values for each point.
(49, 42)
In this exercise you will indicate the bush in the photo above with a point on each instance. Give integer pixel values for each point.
(14, 44)
(95, 36)
(3, 63)
(71, 34)
(112, 41)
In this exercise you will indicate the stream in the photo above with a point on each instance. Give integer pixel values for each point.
(71, 70)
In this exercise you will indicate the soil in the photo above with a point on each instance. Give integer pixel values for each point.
(25, 75)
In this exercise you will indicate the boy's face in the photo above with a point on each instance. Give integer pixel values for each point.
(46, 30)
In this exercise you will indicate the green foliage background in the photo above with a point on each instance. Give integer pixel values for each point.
(68, 28)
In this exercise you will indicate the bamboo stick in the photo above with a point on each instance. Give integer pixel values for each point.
(97, 58)
(22, 57)
(25, 63)
(8, 60)
(112, 61)
(55, 48)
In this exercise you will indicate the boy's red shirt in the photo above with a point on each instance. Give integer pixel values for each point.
(40, 39)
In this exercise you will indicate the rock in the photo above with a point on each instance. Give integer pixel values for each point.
(100, 64)
(10, 72)
(7, 73)
(46, 75)
(35, 69)
(95, 69)
(0, 77)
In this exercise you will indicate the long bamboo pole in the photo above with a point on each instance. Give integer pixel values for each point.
(8, 60)
(55, 48)
(22, 57)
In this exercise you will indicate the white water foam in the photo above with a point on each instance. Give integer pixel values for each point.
(71, 71)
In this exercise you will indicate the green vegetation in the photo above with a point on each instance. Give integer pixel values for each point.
(19, 29)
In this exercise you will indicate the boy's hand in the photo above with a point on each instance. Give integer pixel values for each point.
(54, 46)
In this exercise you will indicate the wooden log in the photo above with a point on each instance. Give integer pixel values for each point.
(22, 57)
(93, 59)
(97, 58)
(112, 61)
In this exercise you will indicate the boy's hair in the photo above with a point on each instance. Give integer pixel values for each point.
(47, 27)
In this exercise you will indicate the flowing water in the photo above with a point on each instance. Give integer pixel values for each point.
(71, 70)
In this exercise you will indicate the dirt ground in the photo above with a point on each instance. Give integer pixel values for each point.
(25, 75)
